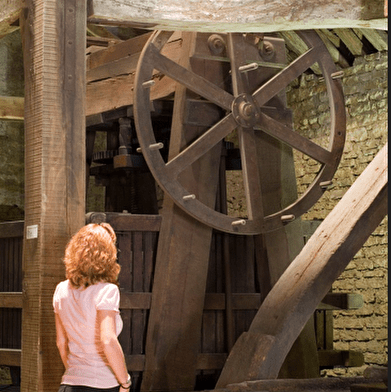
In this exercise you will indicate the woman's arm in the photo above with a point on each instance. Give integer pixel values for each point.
(110, 345)
(62, 341)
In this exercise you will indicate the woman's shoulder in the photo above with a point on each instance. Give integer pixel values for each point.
(62, 286)
(107, 295)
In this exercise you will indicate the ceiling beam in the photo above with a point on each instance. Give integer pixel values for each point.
(239, 15)
(9, 15)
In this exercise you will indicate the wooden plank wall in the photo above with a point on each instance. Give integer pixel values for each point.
(11, 243)
(137, 241)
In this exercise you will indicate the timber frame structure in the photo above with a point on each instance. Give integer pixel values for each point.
(58, 153)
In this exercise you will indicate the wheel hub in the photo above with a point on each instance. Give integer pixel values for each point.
(245, 111)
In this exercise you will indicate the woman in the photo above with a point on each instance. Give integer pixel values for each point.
(86, 307)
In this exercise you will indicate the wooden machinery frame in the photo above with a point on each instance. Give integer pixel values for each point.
(54, 37)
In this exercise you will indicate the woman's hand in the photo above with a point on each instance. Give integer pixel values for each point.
(122, 389)
(126, 386)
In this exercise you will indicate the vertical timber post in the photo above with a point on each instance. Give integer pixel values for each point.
(178, 294)
(53, 35)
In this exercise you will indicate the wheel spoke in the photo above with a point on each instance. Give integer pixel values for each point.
(287, 135)
(250, 173)
(248, 151)
(202, 145)
(190, 80)
(281, 80)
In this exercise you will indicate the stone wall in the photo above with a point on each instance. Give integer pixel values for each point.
(11, 132)
(365, 90)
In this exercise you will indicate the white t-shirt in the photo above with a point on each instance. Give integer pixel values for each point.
(77, 309)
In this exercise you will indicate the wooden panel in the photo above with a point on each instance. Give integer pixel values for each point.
(11, 284)
(136, 257)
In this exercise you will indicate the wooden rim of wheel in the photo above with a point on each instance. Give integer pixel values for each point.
(242, 110)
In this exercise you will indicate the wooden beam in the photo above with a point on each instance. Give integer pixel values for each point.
(10, 357)
(331, 358)
(11, 229)
(244, 16)
(12, 108)
(9, 15)
(259, 353)
(111, 72)
(11, 300)
(54, 36)
(378, 38)
(350, 39)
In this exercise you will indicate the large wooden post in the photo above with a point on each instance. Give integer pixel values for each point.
(178, 294)
(53, 34)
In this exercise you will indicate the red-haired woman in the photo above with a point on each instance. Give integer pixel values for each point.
(86, 307)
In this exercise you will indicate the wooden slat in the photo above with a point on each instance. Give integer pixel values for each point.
(378, 38)
(297, 45)
(113, 93)
(11, 229)
(10, 357)
(11, 300)
(12, 108)
(341, 301)
(118, 51)
(127, 222)
(331, 358)
(350, 39)
(210, 361)
(332, 48)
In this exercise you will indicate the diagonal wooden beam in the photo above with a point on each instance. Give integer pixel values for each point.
(259, 353)
(9, 15)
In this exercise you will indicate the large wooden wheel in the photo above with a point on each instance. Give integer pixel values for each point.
(244, 112)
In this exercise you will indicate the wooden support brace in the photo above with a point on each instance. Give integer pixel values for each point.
(259, 353)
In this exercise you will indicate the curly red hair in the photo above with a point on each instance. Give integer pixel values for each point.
(91, 256)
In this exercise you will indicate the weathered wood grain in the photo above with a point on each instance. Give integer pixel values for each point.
(174, 327)
(259, 353)
(12, 108)
(240, 15)
(53, 35)
(111, 78)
